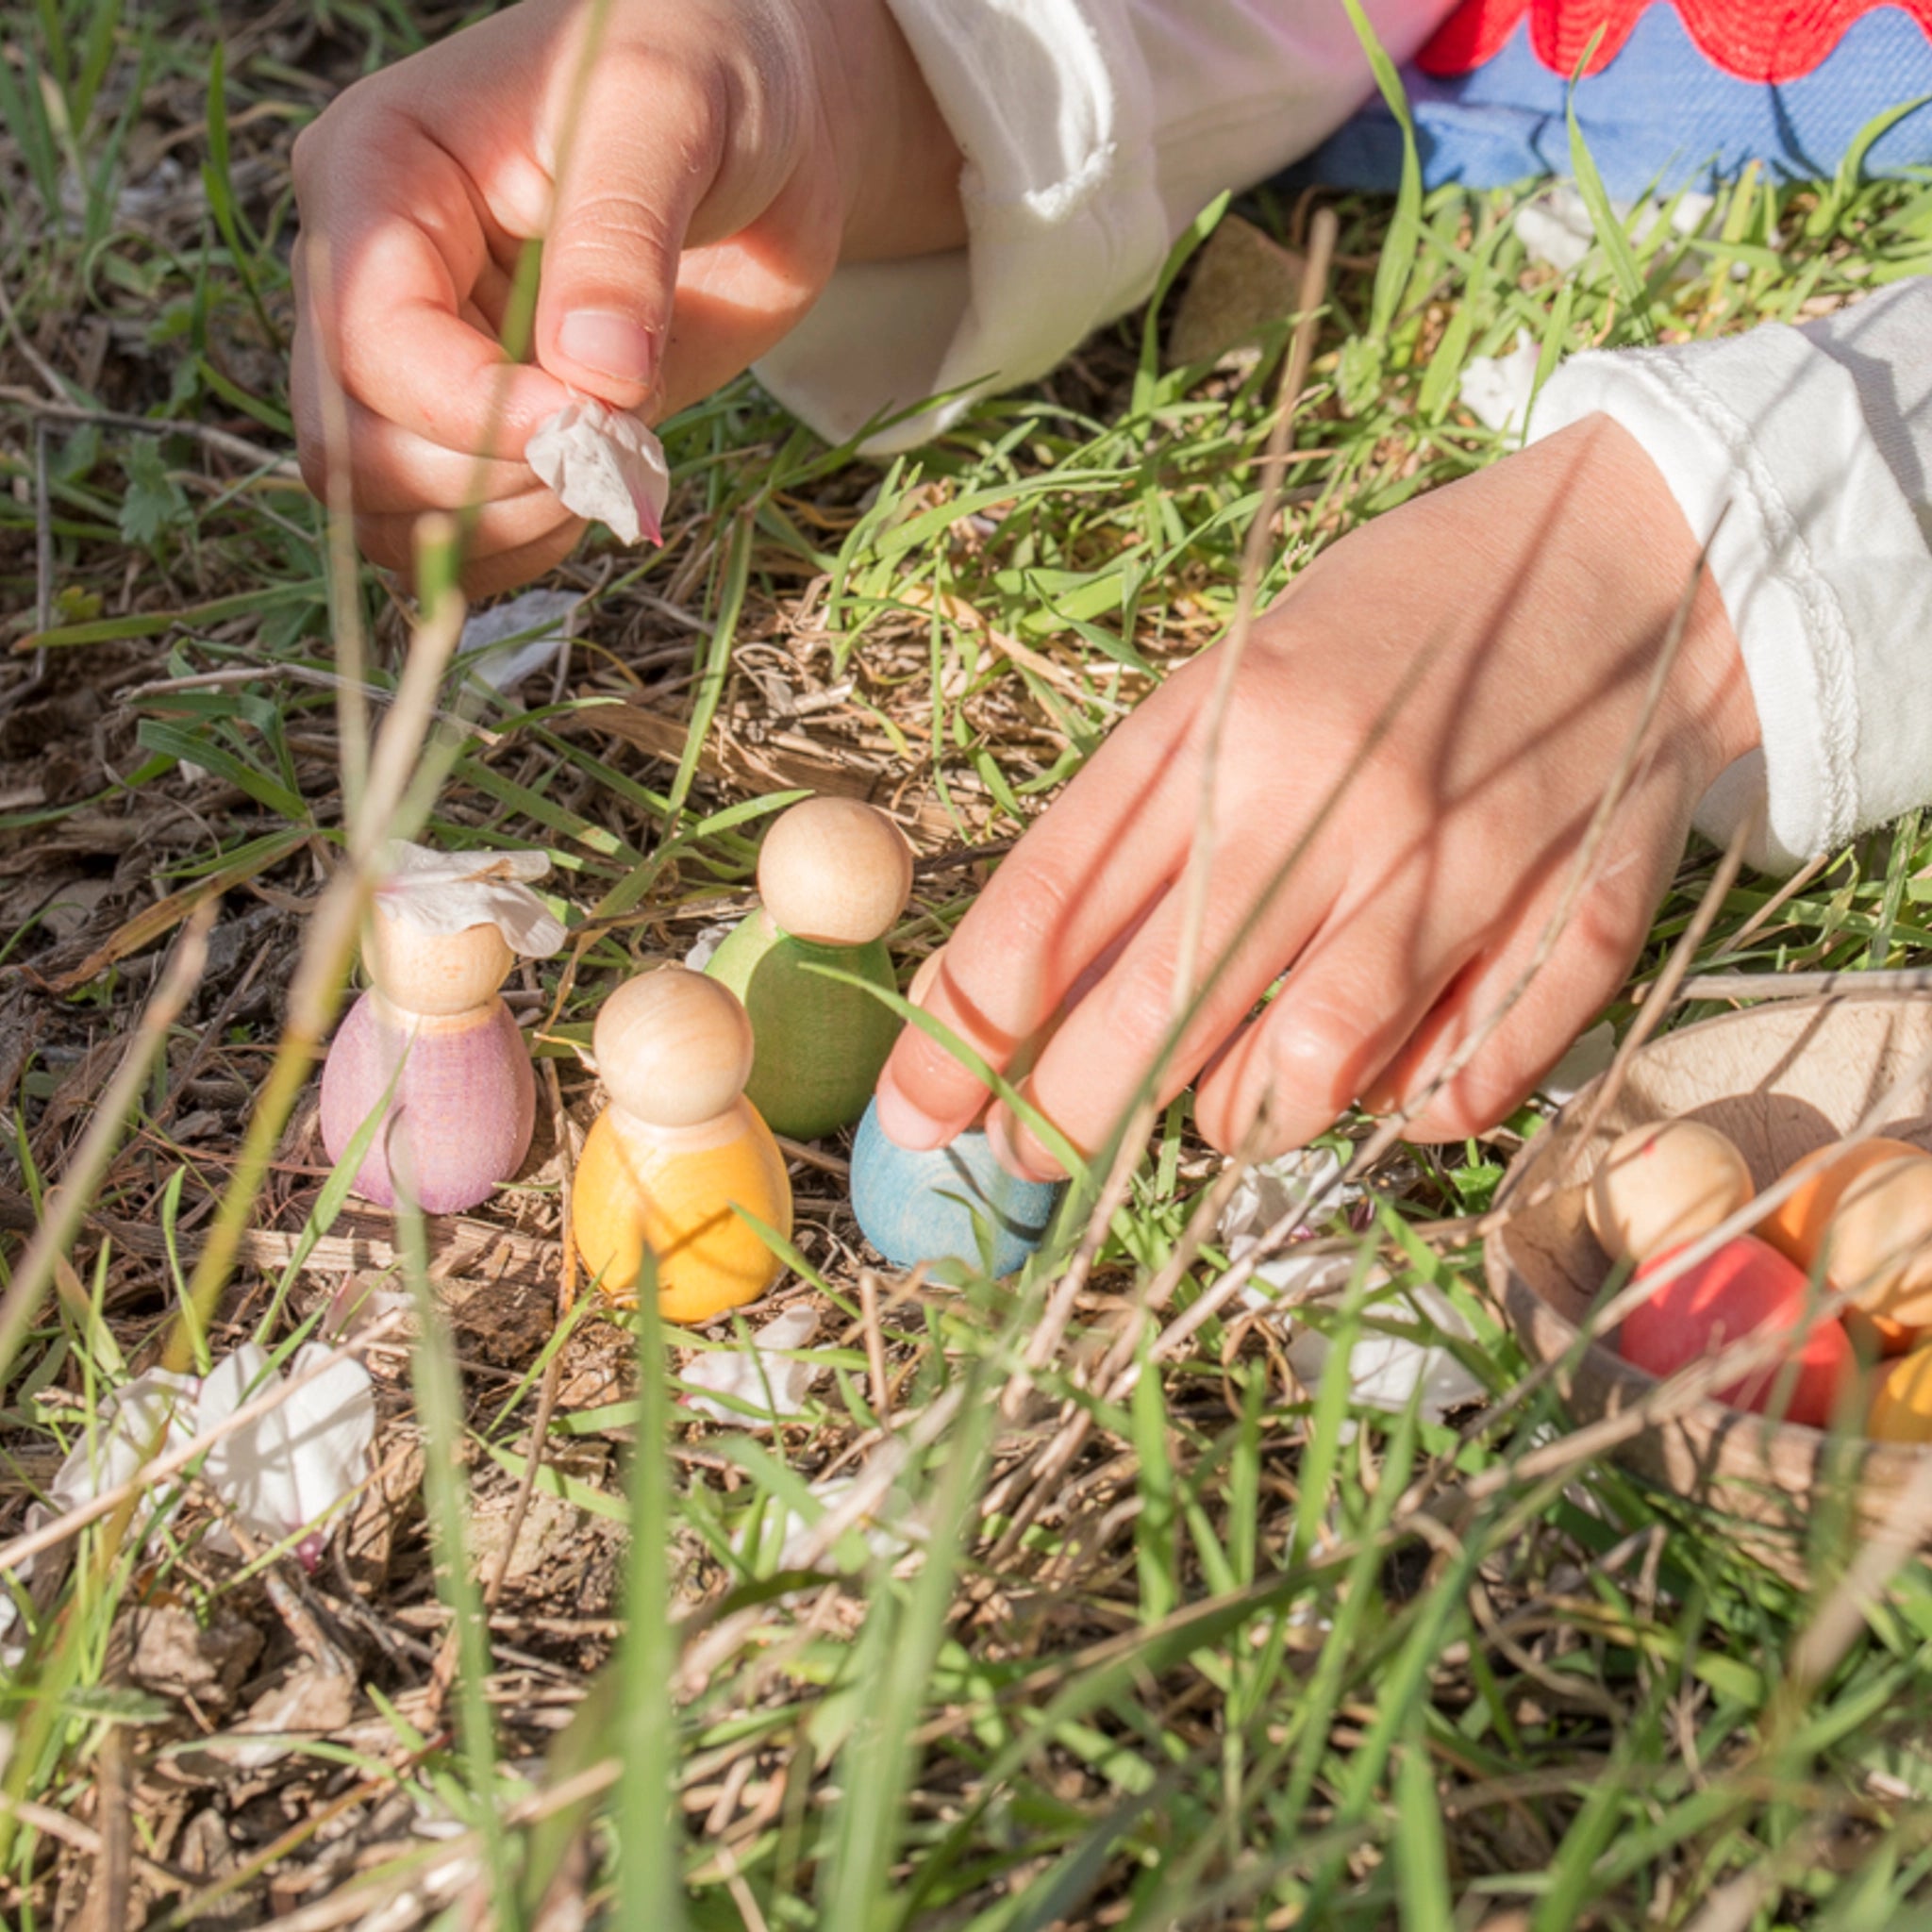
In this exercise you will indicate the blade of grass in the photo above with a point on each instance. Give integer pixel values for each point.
(439, 1404)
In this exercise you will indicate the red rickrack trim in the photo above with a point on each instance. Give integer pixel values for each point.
(1754, 39)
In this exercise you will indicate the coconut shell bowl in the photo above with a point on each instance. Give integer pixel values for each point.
(1780, 1080)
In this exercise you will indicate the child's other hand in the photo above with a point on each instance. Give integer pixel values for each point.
(1537, 595)
(717, 159)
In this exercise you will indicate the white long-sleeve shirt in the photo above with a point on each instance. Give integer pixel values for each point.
(1095, 130)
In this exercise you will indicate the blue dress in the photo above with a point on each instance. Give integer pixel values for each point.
(1666, 100)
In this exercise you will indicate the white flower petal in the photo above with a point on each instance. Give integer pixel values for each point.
(331, 1430)
(1385, 1369)
(293, 1465)
(1295, 1274)
(142, 1421)
(138, 1423)
(1590, 1056)
(450, 892)
(748, 1373)
(1554, 226)
(1693, 210)
(1269, 1191)
(800, 1535)
(542, 619)
(1496, 389)
(603, 465)
(251, 1468)
(707, 941)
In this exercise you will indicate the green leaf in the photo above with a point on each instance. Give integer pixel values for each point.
(1609, 230)
(1475, 1181)
(192, 748)
(1422, 1854)
(1359, 375)
(153, 623)
(1404, 231)
(1831, 205)
(1148, 375)
(155, 503)
(650, 1825)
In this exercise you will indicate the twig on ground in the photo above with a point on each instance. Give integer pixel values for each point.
(1788, 890)
(874, 1346)
(59, 410)
(1804, 986)
(300, 673)
(56, 389)
(44, 547)
(85, 1838)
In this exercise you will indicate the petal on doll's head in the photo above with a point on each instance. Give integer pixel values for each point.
(450, 892)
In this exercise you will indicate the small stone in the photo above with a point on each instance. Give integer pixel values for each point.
(1243, 281)
(178, 1655)
(314, 1699)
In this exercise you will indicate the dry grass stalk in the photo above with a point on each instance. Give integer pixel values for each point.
(67, 1208)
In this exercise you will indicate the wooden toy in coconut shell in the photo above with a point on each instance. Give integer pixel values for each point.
(679, 1151)
(1781, 1082)
(1862, 1224)
(834, 875)
(431, 1045)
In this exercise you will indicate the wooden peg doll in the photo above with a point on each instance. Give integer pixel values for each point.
(677, 1148)
(834, 875)
(434, 1035)
(956, 1205)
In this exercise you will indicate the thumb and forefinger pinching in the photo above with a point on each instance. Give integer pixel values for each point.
(402, 270)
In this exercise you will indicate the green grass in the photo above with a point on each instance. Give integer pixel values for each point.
(1239, 1669)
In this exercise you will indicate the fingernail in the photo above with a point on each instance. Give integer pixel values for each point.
(1378, 1097)
(1016, 1150)
(929, 969)
(906, 1126)
(607, 343)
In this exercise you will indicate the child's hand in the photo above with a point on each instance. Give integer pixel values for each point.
(1535, 597)
(717, 157)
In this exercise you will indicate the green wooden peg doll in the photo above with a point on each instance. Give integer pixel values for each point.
(834, 875)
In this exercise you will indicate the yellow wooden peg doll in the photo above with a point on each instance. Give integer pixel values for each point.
(677, 1150)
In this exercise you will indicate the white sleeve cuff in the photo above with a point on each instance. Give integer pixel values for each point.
(1052, 107)
(1093, 131)
(1820, 560)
